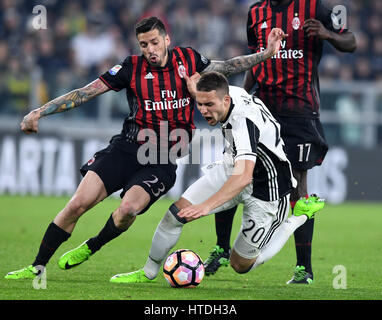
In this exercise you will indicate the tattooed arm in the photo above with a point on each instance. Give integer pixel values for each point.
(61, 104)
(243, 63)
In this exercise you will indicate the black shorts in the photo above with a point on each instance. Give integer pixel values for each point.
(119, 169)
(305, 144)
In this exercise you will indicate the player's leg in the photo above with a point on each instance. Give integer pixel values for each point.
(305, 147)
(169, 229)
(110, 166)
(259, 222)
(165, 237)
(257, 245)
(134, 201)
(219, 256)
(144, 184)
(89, 192)
(223, 228)
(303, 236)
(243, 264)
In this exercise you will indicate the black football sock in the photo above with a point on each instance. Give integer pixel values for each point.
(108, 233)
(54, 236)
(223, 225)
(303, 240)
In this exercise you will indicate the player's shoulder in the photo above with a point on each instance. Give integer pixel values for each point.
(242, 101)
(185, 52)
(183, 49)
(131, 59)
(239, 96)
(237, 91)
(257, 4)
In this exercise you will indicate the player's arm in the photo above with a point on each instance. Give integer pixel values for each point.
(241, 177)
(344, 42)
(63, 103)
(249, 81)
(243, 63)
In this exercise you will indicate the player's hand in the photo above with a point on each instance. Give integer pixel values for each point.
(194, 212)
(30, 122)
(191, 83)
(314, 28)
(274, 41)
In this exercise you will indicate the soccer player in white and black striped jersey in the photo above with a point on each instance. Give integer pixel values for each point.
(255, 172)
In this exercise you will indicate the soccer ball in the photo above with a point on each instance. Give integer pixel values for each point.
(183, 269)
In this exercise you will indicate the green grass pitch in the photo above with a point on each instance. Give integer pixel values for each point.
(347, 235)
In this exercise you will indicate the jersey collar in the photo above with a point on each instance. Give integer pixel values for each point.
(231, 106)
(279, 7)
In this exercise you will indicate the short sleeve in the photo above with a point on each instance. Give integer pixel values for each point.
(118, 77)
(246, 137)
(330, 19)
(201, 61)
(251, 37)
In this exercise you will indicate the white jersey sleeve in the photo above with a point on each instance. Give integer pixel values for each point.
(245, 138)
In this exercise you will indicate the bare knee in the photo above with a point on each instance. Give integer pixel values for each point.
(129, 209)
(240, 264)
(76, 207)
(126, 213)
(240, 267)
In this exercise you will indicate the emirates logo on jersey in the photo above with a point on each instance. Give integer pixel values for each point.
(168, 101)
(285, 53)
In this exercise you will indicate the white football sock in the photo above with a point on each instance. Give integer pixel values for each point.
(165, 237)
(279, 239)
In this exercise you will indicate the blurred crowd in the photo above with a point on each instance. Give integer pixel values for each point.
(83, 39)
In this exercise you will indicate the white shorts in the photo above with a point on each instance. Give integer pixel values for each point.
(260, 218)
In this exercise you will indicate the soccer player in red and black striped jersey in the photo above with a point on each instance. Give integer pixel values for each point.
(288, 85)
(161, 103)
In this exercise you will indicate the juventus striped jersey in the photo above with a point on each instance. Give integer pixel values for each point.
(288, 82)
(252, 133)
(158, 96)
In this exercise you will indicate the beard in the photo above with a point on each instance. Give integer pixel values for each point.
(158, 59)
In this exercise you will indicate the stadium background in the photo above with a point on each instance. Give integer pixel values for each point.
(85, 38)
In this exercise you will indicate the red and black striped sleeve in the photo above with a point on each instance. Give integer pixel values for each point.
(118, 77)
(201, 62)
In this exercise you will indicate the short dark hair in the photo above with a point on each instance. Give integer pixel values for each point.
(213, 80)
(148, 24)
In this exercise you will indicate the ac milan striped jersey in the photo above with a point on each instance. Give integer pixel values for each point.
(158, 96)
(252, 133)
(288, 82)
